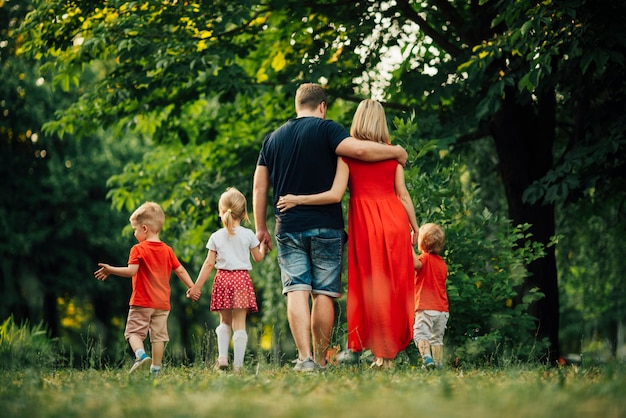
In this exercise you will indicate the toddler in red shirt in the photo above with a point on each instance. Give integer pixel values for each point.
(150, 265)
(431, 300)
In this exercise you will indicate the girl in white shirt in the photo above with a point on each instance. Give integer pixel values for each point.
(233, 293)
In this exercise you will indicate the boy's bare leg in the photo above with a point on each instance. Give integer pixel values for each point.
(141, 358)
(437, 351)
(135, 343)
(157, 352)
(424, 347)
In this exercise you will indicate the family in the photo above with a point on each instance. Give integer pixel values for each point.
(394, 296)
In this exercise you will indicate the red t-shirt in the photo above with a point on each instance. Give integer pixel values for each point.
(430, 284)
(151, 284)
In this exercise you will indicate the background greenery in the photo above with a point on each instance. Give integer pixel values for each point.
(512, 115)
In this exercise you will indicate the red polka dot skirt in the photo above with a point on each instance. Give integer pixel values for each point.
(233, 290)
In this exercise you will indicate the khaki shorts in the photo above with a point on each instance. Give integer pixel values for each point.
(141, 320)
(430, 326)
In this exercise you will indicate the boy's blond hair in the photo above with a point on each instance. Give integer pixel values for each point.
(232, 206)
(150, 214)
(431, 238)
(369, 122)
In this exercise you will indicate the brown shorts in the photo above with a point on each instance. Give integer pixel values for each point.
(141, 320)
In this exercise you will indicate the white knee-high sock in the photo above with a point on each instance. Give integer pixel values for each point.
(223, 339)
(240, 340)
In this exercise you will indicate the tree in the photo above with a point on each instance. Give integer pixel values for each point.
(55, 222)
(542, 81)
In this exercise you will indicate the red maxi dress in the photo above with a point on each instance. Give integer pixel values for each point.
(380, 299)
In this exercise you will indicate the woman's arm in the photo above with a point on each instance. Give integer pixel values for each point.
(405, 199)
(334, 195)
(207, 267)
(258, 252)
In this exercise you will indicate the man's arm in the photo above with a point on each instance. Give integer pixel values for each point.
(371, 151)
(260, 190)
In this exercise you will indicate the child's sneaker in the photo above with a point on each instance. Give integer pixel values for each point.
(141, 363)
(428, 363)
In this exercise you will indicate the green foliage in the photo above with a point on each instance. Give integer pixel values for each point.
(486, 255)
(23, 346)
(142, 88)
(592, 287)
(186, 74)
(52, 199)
(578, 49)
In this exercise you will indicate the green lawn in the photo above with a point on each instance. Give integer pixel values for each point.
(354, 391)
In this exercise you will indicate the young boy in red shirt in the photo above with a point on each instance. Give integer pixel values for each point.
(431, 300)
(150, 264)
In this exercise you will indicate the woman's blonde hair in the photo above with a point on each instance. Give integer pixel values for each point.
(369, 122)
(150, 214)
(431, 238)
(232, 206)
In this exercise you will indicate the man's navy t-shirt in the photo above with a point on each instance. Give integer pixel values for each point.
(300, 159)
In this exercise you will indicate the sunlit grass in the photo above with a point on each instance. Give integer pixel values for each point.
(354, 391)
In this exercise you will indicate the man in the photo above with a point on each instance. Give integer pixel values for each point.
(300, 157)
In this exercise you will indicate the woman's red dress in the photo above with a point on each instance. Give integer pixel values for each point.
(380, 299)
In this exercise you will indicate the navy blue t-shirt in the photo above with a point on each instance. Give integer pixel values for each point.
(300, 159)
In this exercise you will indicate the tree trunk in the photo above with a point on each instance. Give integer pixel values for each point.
(524, 136)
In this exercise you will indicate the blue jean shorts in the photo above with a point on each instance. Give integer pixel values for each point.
(311, 260)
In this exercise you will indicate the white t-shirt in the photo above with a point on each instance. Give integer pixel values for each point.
(233, 252)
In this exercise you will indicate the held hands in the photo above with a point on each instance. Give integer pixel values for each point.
(287, 202)
(193, 293)
(265, 239)
(414, 237)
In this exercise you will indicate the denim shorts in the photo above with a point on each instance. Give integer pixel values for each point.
(311, 260)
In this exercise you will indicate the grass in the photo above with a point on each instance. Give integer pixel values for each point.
(347, 391)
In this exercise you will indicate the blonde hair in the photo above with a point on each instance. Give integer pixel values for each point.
(369, 122)
(309, 96)
(150, 214)
(232, 206)
(431, 238)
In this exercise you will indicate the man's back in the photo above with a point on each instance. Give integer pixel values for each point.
(300, 159)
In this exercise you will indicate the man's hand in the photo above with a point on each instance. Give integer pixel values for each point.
(403, 156)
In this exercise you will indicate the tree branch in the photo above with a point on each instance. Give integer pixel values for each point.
(440, 39)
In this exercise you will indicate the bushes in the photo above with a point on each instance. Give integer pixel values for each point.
(485, 253)
(25, 346)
